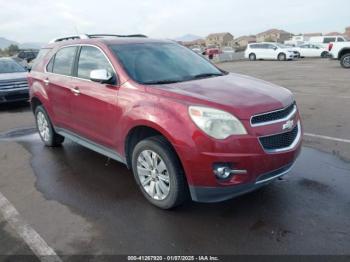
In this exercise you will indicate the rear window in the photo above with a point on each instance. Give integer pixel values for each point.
(328, 40)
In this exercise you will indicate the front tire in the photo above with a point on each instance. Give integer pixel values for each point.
(45, 128)
(282, 57)
(345, 61)
(158, 172)
(252, 57)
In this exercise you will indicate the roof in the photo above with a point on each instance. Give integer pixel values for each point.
(273, 31)
(218, 34)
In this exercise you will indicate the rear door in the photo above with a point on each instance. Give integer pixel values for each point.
(94, 105)
(59, 82)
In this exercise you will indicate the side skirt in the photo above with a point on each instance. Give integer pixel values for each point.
(91, 145)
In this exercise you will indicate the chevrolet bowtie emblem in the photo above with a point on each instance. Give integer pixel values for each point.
(288, 125)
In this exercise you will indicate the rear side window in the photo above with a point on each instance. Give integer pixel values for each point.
(91, 58)
(42, 53)
(327, 40)
(64, 61)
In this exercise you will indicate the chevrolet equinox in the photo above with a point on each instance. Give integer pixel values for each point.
(183, 126)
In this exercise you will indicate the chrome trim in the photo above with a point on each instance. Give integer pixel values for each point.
(276, 176)
(14, 89)
(291, 114)
(292, 146)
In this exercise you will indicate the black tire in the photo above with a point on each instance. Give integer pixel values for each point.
(324, 54)
(252, 57)
(345, 61)
(178, 191)
(53, 138)
(282, 57)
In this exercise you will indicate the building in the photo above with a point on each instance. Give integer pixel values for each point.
(243, 41)
(333, 34)
(273, 35)
(199, 42)
(219, 39)
(347, 32)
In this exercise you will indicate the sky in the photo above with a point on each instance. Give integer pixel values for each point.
(43, 20)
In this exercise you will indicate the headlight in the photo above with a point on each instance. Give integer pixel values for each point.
(216, 123)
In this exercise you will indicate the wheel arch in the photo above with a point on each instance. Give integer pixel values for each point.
(343, 52)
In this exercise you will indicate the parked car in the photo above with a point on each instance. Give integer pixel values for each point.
(13, 81)
(212, 50)
(312, 50)
(228, 50)
(182, 125)
(340, 51)
(325, 40)
(267, 50)
(26, 57)
(197, 49)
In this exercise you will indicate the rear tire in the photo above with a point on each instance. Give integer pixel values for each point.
(282, 57)
(45, 128)
(324, 54)
(158, 173)
(252, 57)
(345, 61)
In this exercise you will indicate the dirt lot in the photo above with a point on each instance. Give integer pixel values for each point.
(80, 203)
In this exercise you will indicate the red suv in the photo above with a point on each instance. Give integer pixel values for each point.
(183, 126)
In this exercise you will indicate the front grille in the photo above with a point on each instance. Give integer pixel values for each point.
(279, 141)
(13, 84)
(272, 116)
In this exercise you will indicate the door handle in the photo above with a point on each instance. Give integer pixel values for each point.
(75, 90)
(46, 81)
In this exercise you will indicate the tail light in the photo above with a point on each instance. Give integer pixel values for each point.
(330, 46)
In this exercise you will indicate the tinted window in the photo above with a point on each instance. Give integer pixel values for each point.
(327, 40)
(10, 66)
(254, 46)
(64, 60)
(90, 59)
(340, 39)
(158, 63)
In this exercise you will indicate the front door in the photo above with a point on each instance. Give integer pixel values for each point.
(94, 105)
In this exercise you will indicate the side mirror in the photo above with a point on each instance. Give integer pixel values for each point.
(101, 76)
(275, 48)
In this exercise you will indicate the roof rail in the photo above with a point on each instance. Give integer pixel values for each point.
(73, 37)
(86, 36)
(111, 35)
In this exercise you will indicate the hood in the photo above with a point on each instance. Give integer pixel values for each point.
(241, 95)
(13, 76)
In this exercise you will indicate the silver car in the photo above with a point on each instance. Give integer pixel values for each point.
(13, 81)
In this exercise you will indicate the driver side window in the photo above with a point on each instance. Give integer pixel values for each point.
(91, 58)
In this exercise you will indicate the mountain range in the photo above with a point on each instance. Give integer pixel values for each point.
(188, 38)
(4, 43)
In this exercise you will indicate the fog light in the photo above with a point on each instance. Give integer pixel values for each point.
(224, 171)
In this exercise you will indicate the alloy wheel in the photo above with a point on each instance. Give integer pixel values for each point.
(43, 126)
(153, 174)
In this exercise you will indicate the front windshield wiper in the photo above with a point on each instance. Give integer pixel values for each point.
(160, 82)
(205, 75)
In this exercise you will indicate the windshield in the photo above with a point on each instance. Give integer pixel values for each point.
(161, 63)
(9, 66)
(281, 45)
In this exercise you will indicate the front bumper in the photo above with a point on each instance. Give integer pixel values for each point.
(14, 95)
(217, 194)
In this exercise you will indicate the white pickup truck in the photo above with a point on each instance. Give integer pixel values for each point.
(340, 51)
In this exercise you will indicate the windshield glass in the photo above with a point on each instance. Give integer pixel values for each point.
(160, 63)
(282, 46)
(9, 66)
